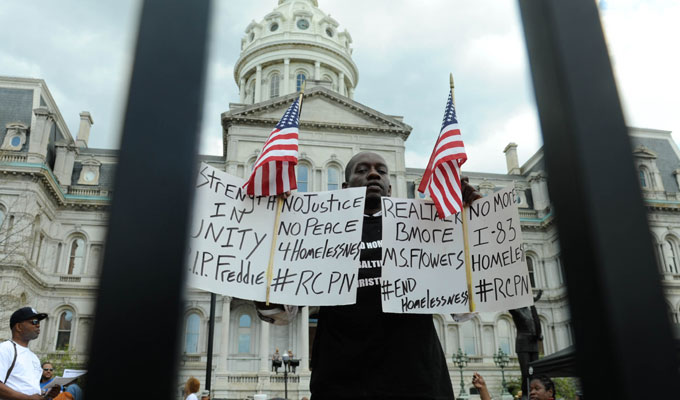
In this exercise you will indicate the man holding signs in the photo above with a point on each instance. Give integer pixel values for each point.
(359, 351)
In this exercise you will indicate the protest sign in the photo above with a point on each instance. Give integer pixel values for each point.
(500, 278)
(423, 257)
(316, 254)
(423, 261)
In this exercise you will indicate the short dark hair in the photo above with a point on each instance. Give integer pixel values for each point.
(353, 160)
(547, 383)
(46, 362)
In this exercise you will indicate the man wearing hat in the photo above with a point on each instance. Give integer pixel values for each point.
(20, 369)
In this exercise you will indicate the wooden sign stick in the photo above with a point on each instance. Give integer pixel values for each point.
(466, 240)
(279, 207)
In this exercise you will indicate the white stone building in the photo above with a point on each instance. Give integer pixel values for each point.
(55, 193)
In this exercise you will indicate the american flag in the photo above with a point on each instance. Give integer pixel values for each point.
(274, 169)
(441, 179)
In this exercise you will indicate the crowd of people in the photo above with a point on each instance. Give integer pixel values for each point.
(22, 374)
(540, 388)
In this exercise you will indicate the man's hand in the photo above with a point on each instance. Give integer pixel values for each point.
(53, 392)
(469, 192)
(478, 382)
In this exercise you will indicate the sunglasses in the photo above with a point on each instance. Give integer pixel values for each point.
(34, 321)
(48, 369)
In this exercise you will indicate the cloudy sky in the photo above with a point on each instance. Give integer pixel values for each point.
(404, 49)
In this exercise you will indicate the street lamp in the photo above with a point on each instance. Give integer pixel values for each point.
(286, 360)
(461, 360)
(501, 360)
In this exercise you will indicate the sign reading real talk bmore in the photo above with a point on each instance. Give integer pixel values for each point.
(424, 261)
(316, 255)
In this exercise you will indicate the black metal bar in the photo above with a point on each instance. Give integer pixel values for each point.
(622, 333)
(134, 347)
(211, 337)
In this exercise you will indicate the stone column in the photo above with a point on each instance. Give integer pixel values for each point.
(264, 346)
(63, 163)
(317, 70)
(341, 83)
(539, 191)
(286, 76)
(511, 159)
(304, 339)
(86, 123)
(258, 84)
(40, 133)
(242, 90)
(351, 93)
(224, 339)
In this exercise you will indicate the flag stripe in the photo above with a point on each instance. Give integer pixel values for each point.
(441, 179)
(274, 170)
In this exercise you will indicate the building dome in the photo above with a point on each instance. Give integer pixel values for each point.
(293, 43)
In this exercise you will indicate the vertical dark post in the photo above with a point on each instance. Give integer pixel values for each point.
(135, 335)
(622, 333)
(211, 336)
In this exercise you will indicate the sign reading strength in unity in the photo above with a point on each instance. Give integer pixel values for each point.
(317, 250)
(424, 262)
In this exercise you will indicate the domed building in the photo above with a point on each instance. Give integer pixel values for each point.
(293, 43)
(55, 192)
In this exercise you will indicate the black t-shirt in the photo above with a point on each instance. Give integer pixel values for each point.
(360, 352)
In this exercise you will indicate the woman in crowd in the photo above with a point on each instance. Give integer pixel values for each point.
(541, 388)
(191, 388)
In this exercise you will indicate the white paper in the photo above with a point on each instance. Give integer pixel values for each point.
(74, 373)
(423, 260)
(318, 248)
(500, 278)
(414, 240)
(317, 251)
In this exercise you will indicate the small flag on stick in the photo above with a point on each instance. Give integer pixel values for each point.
(274, 169)
(441, 179)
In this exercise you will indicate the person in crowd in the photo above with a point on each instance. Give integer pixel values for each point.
(354, 355)
(542, 388)
(47, 374)
(191, 388)
(291, 367)
(276, 361)
(20, 371)
(479, 383)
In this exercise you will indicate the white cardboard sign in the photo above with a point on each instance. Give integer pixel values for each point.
(500, 278)
(423, 260)
(317, 250)
(423, 257)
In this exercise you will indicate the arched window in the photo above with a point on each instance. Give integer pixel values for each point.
(333, 178)
(504, 335)
(2, 217)
(643, 179)
(469, 342)
(192, 331)
(671, 255)
(274, 86)
(541, 340)
(530, 267)
(244, 334)
(251, 92)
(302, 178)
(64, 330)
(76, 256)
(299, 80)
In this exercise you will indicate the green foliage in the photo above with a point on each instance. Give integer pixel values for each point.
(566, 388)
(65, 359)
(514, 385)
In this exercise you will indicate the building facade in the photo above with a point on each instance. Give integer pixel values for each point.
(55, 192)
